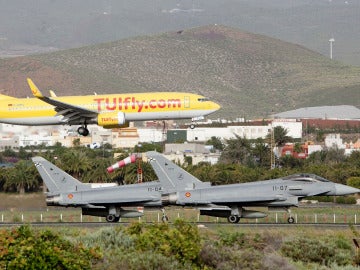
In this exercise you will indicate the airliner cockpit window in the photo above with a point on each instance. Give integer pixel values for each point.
(203, 99)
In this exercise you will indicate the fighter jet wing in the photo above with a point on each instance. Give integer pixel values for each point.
(69, 111)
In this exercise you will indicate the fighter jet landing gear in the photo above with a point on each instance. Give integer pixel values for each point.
(114, 214)
(233, 219)
(164, 217)
(291, 220)
(112, 218)
(83, 130)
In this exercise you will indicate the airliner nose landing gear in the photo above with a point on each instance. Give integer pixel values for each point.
(194, 120)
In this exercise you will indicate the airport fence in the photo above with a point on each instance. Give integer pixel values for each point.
(340, 216)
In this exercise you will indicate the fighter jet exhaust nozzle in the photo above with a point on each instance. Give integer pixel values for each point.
(122, 163)
(169, 199)
(53, 200)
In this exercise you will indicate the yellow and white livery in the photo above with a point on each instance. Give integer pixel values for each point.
(108, 111)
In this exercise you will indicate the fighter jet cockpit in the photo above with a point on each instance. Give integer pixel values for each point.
(305, 177)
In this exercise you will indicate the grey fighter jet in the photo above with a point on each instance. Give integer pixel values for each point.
(182, 188)
(108, 202)
(178, 187)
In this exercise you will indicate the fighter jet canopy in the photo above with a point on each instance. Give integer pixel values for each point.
(305, 177)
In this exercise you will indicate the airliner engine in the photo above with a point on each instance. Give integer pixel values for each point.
(111, 119)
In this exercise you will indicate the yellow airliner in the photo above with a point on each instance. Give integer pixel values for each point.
(108, 111)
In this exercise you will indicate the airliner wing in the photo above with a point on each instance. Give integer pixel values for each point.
(70, 112)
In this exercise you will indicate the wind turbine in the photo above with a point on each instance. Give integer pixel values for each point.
(331, 40)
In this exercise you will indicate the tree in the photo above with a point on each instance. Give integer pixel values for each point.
(353, 182)
(75, 162)
(334, 155)
(261, 153)
(216, 143)
(280, 136)
(288, 161)
(354, 159)
(236, 151)
(21, 177)
(97, 172)
(145, 147)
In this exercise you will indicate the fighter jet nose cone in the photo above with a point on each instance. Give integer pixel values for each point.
(345, 190)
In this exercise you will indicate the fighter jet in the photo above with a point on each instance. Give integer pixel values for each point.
(108, 202)
(175, 186)
(229, 201)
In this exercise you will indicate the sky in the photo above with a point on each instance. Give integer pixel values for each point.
(33, 26)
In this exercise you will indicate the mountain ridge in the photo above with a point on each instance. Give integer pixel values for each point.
(250, 75)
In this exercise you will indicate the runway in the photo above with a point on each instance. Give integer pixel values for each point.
(200, 225)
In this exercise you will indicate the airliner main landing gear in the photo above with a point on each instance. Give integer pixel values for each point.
(83, 130)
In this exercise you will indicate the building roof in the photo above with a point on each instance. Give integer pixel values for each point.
(343, 112)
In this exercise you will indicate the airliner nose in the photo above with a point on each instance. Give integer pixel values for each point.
(215, 106)
(345, 190)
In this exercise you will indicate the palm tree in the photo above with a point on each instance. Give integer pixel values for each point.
(21, 177)
(261, 152)
(237, 151)
(75, 162)
(280, 135)
(97, 173)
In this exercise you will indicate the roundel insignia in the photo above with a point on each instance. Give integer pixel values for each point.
(187, 194)
(70, 196)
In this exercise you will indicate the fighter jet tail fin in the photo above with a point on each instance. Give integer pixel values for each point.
(171, 176)
(55, 179)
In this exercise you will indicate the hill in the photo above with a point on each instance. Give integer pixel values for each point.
(250, 75)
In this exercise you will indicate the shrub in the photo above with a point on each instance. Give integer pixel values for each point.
(318, 251)
(22, 248)
(346, 200)
(181, 241)
(353, 182)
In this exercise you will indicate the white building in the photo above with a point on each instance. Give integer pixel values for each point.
(334, 141)
(293, 127)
